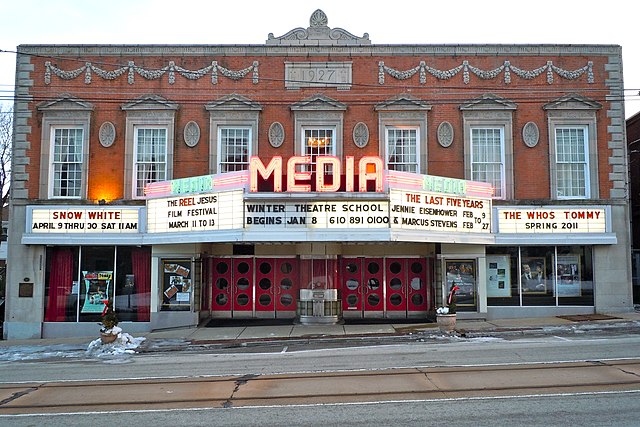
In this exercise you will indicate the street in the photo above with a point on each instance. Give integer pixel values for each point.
(476, 381)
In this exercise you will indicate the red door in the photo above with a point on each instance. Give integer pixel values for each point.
(373, 274)
(286, 286)
(351, 279)
(242, 287)
(396, 282)
(221, 279)
(418, 292)
(265, 275)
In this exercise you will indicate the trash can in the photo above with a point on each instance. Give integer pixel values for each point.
(318, 306)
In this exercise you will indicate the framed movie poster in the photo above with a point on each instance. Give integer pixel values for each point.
(532, 275)
(177, 284)
(568, 276)
(499, 276)
(463, 273)
(96, 289)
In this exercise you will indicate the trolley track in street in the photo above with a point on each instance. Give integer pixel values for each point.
(398, 384)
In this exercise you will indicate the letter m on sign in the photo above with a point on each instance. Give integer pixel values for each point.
(273, 168)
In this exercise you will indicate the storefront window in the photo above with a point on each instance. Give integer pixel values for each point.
(79, 280)
(539, 276)
(177, 284)
(463, 274)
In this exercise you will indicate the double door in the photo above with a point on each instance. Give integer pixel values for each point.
(254, 287)
(386, 287)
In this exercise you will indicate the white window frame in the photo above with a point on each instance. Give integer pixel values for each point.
(413, 167)
(482, 116)
(63, 113)
(139, 192)
(53, 188)
(498, 192)
(586, 188)
(304, 144)
(220, 147)
(149, 111)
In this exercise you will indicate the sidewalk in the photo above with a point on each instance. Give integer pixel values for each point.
(183, 337)
(463, 327)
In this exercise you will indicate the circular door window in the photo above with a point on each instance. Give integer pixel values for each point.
(373, 267)
(286, 284)
(395, 267)
(243, 267)
(265, 284)
(396, 284)
(352, 300)
(222, 267)
(373, 300)
(243, 283)
(416, 284)
(416, 268)
(222, 283)
(242, 299)
(265, 268)
(352, 284)
(286, 300)
(417, 299)
(373, 284)
(264, 300)
(352, 267)
(395, 299)
(222, 299)
(286, 268)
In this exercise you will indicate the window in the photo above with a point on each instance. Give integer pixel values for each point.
(66, 162)
(64, 148)
(572, 162)
(487, 158)
(402, 149)
(233, 130)
(150, 157)
(318, 142)
(402, 122)
(235, 148)
(573, 147)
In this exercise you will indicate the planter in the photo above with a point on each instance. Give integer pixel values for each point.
(108, 338)
(446, 322)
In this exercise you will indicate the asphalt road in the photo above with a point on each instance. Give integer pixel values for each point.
(477, 381)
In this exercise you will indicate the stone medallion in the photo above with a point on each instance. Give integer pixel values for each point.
(107, 134)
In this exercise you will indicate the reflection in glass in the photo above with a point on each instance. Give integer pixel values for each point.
(222, 283)
(373, 300)
(396, 284)
(395, 299)
(243, 283)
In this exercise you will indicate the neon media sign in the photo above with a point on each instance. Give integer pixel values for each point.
(299, 180)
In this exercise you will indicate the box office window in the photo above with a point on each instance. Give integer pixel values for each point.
(539, 276)
(79, 280)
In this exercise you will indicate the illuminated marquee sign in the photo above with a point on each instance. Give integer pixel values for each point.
(203, 212)
(552, 220)
(417, 210)
(84, 220)
(369, 169)
(326, 214)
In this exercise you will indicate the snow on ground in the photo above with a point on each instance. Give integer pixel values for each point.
(124, 344)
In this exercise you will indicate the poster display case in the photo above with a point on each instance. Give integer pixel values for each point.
(177, 284)
(499, 276)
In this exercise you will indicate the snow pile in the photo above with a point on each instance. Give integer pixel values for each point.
(124, 344)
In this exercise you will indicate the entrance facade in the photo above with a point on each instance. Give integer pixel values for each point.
(266, 287)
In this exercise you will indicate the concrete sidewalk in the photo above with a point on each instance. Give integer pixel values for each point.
(469, 328)
(464, 327)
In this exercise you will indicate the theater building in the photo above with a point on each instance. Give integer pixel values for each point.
(317, 177)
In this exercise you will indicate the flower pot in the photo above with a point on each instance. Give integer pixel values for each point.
(446, 322)
(108, 338)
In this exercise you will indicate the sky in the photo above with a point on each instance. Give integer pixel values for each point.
(251, 21)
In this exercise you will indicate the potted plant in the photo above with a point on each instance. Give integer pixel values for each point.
(446, 315)
(109, 329)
